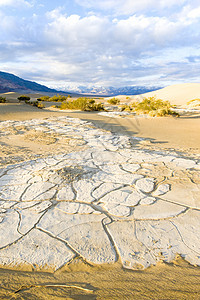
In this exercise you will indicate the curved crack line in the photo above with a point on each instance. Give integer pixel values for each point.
(68, 213)
(49, 189)
(28, 207)
(102, 211)
(183, 239)
(73, 226)
(111, 239)
(19, 223)
(165, 178)
(22, 194)
(61, 240)
(74, 191)
(91, 194)
(165, 218)
(179, 204)
(53, 285)
(96, 208)
(130, 172)
(3, 174)
(107, 193)
(17, 240)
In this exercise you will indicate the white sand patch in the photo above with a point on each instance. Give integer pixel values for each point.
(114, 114)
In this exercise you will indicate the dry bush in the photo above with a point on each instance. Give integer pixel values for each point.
(113, 101)
(83, 104)
(35, 103)
(153, 107)
(2, 99)
(23, 98)
(55, 98)
(126, 107)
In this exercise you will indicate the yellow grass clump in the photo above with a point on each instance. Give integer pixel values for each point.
(153, 107)
(194, 102)
(83, 104)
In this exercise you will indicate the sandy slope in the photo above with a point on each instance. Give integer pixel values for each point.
(178, 94)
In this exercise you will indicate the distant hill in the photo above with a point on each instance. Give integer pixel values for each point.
(110, 90)
(12, 83)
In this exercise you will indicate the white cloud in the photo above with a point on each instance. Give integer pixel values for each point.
(7, 25)
(74, 30)
(101, 49)
(129, 6)
(136, 32)
(14, 3)
(190, 13)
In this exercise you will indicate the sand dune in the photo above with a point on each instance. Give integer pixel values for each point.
(177, 94)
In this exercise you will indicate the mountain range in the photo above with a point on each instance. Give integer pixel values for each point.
(12, 83)
(109, 90)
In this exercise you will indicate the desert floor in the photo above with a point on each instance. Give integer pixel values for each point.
(79, 279)
(180, 133)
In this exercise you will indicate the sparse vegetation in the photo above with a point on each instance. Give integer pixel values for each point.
(23, 98)
(55, 98)
(35, 103)
(113, 101)
(153, 107)
(43, 98)
(2, 99)
(40, 105)
(58, 98)
(83, 104)
(126, 107)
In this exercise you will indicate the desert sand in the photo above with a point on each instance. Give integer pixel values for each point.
(178, 94)
(180, 133)
(144, 181)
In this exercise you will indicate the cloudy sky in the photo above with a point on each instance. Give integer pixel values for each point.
(102, 42)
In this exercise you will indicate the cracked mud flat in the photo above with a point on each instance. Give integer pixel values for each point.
(106, 202)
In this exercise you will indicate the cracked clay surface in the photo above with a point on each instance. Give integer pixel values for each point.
(105, 201)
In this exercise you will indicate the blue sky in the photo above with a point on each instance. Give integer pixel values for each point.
(103, 43)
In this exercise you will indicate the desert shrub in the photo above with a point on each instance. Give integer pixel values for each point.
(153, 107)
(83, 104)
(113, 101)
(96, 107)
(23, 98)
(44, 98)
(91, 101)
(35, 103)
(2, 99)
(58, 98)
(40, 105)
(126, 107)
